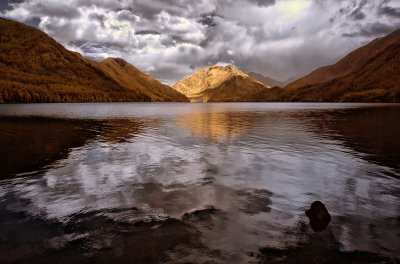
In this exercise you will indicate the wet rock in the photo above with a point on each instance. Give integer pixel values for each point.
(319, 216)
(201, 214)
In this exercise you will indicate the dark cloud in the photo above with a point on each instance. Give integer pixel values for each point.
(77, 43)
(93, 51)
(33, 22)
(208, 19)
(263, 2)
(374, 29)
(389, 11)
(7, 4)
(92, 47)
(108, 4)
(4, 5)
(358, 13)
(149, 9)
(147, 32)
(98, 17)
(54, 9)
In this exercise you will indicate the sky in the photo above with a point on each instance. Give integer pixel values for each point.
(169, 39)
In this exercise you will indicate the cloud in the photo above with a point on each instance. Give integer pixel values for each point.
(29, 9)
(171, 38)
(207, 19)
(387, 10)
(147, 32)
(264, 2)
(357, 13)
(374, 29)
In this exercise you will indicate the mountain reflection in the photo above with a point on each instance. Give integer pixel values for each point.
(29, 144)
(119, 131)
(371, 132)
(218, 125)
(200, 182)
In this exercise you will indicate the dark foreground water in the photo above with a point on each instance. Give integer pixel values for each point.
(198, 183)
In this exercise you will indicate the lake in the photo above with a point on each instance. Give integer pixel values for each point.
(198, 183)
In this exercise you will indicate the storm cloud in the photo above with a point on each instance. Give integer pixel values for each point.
(171, 38)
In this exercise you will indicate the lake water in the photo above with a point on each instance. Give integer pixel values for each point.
(198, 183)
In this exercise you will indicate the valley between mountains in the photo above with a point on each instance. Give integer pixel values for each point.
(34, 68)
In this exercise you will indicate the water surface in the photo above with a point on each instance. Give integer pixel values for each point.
(179, 183)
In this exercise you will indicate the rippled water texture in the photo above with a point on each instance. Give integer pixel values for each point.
(179, 183)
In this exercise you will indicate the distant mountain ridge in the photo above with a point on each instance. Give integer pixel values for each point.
(268, 81)
(35, 68)
(219, 83)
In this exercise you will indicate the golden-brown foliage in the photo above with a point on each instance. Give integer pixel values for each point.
(368, 74)
(131, 78)
(377, 80)
(219, 84)
(349, 64)
(35, 68)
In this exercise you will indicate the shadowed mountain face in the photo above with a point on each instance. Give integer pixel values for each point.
(268, 81)
(353, 62)
(131, 78)
(35, 68)
(219, 83)
(369, 74)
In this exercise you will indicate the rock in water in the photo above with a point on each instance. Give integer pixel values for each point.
(319, 216)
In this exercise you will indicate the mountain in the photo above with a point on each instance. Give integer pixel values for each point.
(129, 77)
(368, 74)
(268, 81)
(35, 68)
(350, 64)
(219, 83)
